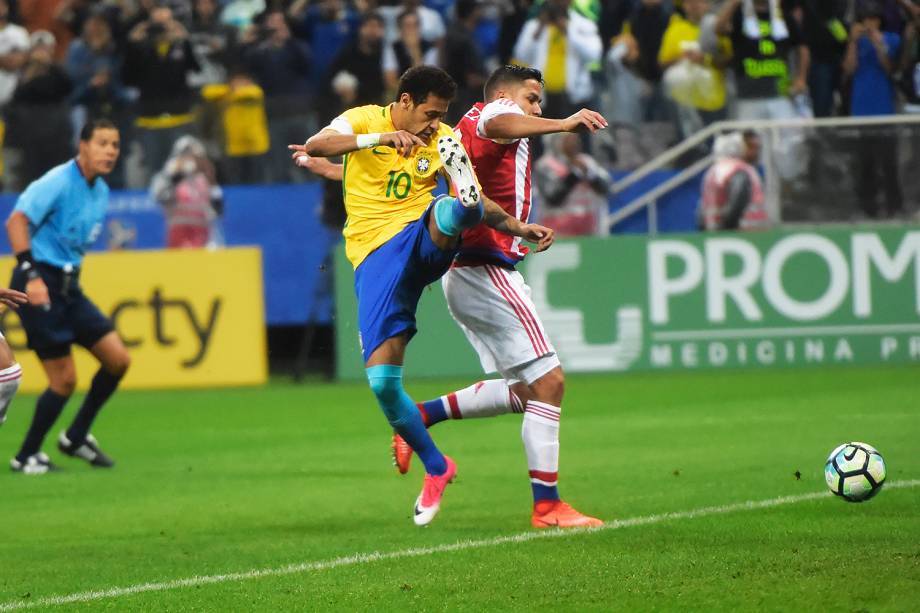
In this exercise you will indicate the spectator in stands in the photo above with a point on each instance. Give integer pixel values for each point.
(762, 41)
(187, 190)
(213, 42)
(364, 60)
(431, 26)
(762, 44)
(38, 116)
(870, 57)
(94, 66)
(327, 26)
(281, 65)
(825, 33)
(14, 49)
(733, 196)
(158, 62)
(240, 107)
(694, 77)
(563, 45)
(910, 62)
(408, 50)
(647, 24)
(573, 187)
(462, 60)
(241, 13)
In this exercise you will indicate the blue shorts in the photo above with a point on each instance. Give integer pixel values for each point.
(390, 280)
(72, 318)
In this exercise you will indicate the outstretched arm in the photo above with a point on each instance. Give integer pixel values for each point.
(318, 166)
(513, 125)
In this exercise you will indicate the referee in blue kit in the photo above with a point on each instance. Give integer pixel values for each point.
(54, 221)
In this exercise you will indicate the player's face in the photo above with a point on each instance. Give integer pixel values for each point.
(425, 118)
(101, 151)
(528, 95)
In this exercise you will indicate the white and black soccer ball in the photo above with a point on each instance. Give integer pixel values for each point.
(855, 471)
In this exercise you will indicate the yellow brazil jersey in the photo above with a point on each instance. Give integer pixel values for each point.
(384, 191)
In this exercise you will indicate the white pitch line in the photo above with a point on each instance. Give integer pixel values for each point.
(377, 556)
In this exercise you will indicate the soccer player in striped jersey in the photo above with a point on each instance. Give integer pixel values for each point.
(490, 300)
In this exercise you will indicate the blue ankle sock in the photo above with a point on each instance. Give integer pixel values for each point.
(452, 218)
(433, 411)
(386, 383)
(544, 492)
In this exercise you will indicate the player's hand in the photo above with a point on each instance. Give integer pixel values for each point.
(37, 294)
(404, 142)
(541, 236)
(585, 119)
(12, 298)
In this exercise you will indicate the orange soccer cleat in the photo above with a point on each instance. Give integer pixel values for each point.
(402, 454)
(555, 513)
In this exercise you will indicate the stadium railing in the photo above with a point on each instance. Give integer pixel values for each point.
(811, 167)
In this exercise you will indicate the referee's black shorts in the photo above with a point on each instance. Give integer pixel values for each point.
(72, 318)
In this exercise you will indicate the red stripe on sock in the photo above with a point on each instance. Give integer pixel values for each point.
(544, 476)
(421, 409)
(454, 407)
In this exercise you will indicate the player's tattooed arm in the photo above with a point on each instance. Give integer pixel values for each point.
(496, 217)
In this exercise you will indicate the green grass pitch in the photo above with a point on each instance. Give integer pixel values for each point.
(210, 483)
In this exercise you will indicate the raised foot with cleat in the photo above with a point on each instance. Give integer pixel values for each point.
(457, 164)
(558, 514)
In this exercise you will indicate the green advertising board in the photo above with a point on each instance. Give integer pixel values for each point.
(773, 299)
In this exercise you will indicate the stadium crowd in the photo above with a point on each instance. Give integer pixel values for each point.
(247, 77)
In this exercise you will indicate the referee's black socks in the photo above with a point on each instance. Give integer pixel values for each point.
(104, 384)
(47, 410)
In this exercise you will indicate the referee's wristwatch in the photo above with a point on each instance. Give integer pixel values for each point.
(27, 265)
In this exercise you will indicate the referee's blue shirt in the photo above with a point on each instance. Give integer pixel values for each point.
(65, 214)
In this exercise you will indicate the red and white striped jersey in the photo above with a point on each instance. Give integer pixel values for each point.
(503, 170)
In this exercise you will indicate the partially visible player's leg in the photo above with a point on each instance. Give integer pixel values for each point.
(10, 377)
(389, 284)
(384, 374)
(62, 380)
(114, 361)
(540, 433)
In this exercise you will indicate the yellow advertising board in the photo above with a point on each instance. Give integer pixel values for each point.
(190, 318)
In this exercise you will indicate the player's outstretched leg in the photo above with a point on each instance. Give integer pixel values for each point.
(483, 399)
(386, 383)
(540, 433)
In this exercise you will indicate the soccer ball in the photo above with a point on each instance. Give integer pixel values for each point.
(855, 471)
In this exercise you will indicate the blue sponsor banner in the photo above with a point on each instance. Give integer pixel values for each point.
(281, 219)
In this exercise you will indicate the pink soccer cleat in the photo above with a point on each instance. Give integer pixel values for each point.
(428, 503)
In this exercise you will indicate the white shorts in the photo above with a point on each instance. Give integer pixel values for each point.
(492, 305)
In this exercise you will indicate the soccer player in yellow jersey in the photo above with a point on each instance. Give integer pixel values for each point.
(400, 239)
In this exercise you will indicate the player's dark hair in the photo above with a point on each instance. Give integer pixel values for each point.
(510, 74)
(86, 134)
(423, 81)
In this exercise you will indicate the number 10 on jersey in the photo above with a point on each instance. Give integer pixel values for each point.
(399, 185)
